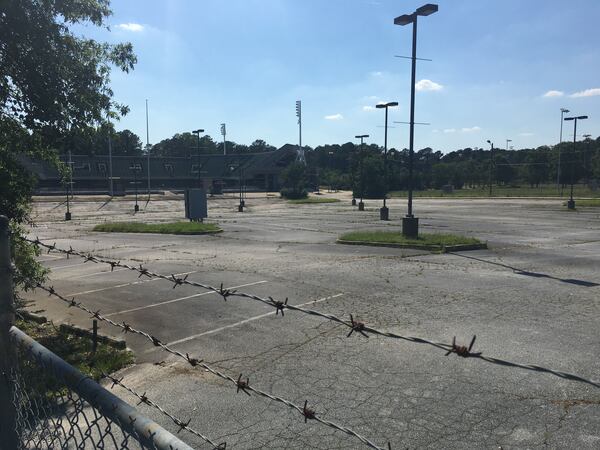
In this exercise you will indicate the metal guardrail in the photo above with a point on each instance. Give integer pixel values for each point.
(45, 403)
(57, 406)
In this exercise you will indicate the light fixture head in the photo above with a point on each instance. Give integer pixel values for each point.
(405, 19)
(564, 110)
(362, 136)
(427, 10)
(198, 131)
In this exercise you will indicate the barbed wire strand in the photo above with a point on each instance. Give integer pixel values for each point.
(143, 398)
(241, 385)
(283, 305)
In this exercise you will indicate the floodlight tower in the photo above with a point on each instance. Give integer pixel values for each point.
(508, 141)
(301, 157)
(224, 134)
(410, 224)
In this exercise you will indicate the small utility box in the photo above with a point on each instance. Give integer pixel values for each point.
(195, 204)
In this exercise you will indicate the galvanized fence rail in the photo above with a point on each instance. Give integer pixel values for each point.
(45, 403)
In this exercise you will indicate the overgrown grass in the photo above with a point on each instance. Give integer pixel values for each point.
(77, 350)
(161, 228)
(396, 237)
(503, 191)
(311, 200)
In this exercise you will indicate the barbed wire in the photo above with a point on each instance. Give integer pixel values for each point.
(241, 385)
(280, 306)
(143, 398)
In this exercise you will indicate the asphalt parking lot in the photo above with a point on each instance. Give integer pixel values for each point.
(532, 298)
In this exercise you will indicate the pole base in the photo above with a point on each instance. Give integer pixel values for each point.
(67, 216)
(361, 206)
(384, 213)
(410, 227)
(243, 203)
(241, 207)
(353, 202)
(136, 208)
(571, 204)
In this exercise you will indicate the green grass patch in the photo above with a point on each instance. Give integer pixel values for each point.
(502, 191)
(590, 202)
(396, 237)
(161, 228)
(77, 350)
(311, 200)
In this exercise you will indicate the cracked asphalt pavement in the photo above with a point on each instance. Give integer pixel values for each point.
(533, 297)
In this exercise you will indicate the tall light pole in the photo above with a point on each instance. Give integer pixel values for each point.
(301, 157)
(148, 149)
(563, 111)
(197, 133)
(410, 224)
(69, 186)
(571, 202)
(224, 134)
(361, 205)
(384, 212)
(507, 142)
(491, 164)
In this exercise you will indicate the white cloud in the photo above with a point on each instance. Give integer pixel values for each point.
(135, 27)
(551, 94)
(337, 116)
(372, 97)
(428, 85)
(586, 93)
(376, 74)
(369, 108)
(450, 130)
(526, 134)
(470, 130)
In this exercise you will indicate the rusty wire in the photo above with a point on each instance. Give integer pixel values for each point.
(194, 362)
(143, 398)
(359, 327)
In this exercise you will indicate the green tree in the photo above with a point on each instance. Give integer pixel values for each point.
(52, 82)
(293, 181)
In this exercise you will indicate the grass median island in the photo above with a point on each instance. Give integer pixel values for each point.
(311, 200)
(590, 203)
(160, 228)
(77, 350)
(430, 241)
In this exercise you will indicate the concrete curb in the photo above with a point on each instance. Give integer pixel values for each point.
(431, 248)
(198, 233)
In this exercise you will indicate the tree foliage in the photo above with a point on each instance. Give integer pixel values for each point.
(53, 84)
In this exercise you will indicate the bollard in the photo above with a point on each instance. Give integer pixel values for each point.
(361, 206)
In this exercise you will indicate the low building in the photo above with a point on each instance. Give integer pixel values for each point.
(93, 174)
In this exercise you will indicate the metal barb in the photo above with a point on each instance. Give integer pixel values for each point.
(357, 326)
(243, 385)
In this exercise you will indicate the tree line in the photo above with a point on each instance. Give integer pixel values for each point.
(341, 166)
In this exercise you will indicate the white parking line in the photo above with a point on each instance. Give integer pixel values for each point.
(97, 273)
(180, 299)
(66, 267)
(241, 322)
(124, 284)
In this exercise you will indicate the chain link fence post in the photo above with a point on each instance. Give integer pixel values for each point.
(8, 431)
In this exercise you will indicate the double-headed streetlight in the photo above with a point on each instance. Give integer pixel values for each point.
(384, 212)
(361, 205)
(571, 202)
(410, 224)
(491, 164)
(563, 111)
(197, 133)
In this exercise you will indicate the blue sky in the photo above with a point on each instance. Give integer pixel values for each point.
(500, 70)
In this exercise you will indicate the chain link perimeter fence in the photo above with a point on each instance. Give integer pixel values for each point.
(45, 403)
